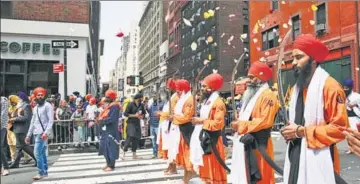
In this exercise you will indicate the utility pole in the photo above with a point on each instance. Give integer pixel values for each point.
(65, 72)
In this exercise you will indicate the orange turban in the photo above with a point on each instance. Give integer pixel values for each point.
(88, 97)
(39, 90)
(311, 46)
(214, 81)
(171, 84)
(260, 70)
(182, 85)
(92, 101)
(111, 94)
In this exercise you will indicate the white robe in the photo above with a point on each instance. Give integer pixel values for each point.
(238, 162)
(316, 166)
(354, 99)
(196, 151)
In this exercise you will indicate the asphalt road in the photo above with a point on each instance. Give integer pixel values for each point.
(350, 165)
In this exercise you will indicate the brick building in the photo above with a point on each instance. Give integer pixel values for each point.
(230, 20)
(27, 54)
(332, 22)
(174, 36)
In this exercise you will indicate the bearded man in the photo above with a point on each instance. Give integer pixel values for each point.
(182, 128)
(108, 119)
(204, 151)
(316, 120)
(163, 138)
(256, 119)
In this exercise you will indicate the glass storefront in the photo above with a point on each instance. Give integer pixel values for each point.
(25, 75)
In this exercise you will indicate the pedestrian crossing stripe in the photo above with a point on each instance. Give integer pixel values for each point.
(81, 168)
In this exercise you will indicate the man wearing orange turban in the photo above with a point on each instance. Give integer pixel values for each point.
(181, 129)
(164, 133)
(209, 125)
(316, 120)
(108, 119)
(256, 118)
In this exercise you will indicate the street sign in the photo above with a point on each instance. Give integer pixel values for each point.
(120, 84)
(58, 68)
(70, 44)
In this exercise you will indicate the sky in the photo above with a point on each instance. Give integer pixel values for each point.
(116, 16)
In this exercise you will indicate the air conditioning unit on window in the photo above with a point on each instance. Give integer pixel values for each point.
(320, 28)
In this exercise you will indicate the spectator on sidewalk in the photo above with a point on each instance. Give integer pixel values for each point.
(21, 123)
(90, 116)
(62, 129)
(78, 119)
(154, 124)
(41, 125)
(4, 120)
(11, 139)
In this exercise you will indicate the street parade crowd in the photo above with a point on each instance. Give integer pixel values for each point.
(188, 129)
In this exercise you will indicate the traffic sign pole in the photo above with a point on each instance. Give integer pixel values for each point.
(65, 72)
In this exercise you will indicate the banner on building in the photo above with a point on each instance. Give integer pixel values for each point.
(120, 84)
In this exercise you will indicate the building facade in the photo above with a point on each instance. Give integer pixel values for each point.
(336, 23)
(174, 36)
(27, 56)
(132, 60)
(217, 39)
(153, 32)
(163, 66)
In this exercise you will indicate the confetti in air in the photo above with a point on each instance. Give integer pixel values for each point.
(206, 15)
(217, 8)
(283, 2)
(262, 59)
(230, 40)
(222, 35)
(243, 36)
(193, 46)
(209, 57)
(314, 7)
(267, 53)
(258, 48)
(215, 71)
(206, 62)
(231, 15)
(279, 40)
(255, 40)
(357, 68)
(215, 44)
(210, 39)
(285, 26)
(290, 22)
(235, 60)
(211, 12)
(312, 22)
(187, 22)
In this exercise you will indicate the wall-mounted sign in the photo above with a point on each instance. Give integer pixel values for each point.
(15, 47)
(69, 44)
(58, 68)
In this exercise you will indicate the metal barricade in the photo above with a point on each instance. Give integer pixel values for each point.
(74, 133)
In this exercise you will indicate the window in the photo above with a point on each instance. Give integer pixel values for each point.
(171, 37)
(6, 9)
(295, 26)
(275, 5)
(270, 38)
(321, 19)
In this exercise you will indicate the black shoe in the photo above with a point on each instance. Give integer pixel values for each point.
(27, 161)
(13, 166)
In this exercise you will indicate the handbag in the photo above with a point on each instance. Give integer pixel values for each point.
(51, 134)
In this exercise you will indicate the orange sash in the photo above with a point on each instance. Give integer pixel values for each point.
(105, 113)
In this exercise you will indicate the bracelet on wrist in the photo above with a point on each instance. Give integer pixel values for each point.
(297, 132)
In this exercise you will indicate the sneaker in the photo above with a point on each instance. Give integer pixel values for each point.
(89, 139)
(96, 139)
(5, 172)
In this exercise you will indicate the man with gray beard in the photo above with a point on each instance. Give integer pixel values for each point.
(256, 119)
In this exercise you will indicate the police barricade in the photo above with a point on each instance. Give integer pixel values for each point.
(77, 132)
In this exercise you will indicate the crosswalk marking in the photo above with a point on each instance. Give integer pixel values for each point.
(86, 168)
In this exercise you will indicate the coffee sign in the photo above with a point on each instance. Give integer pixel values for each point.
(15, 47)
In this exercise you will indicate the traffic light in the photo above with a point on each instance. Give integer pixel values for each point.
(130, 80)
(133, 80)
